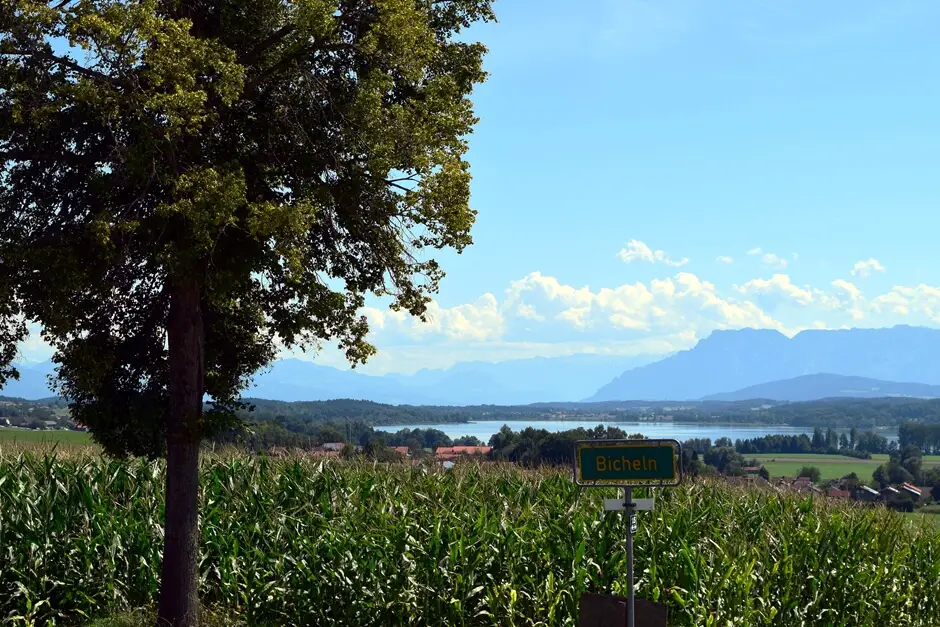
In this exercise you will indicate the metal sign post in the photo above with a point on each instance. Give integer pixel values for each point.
(628, 464)
(628, 506)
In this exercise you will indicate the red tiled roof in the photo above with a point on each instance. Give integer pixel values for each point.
(401, 449)
(839, 494)
(463, 450)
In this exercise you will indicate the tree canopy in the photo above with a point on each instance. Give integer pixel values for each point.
(284, 153)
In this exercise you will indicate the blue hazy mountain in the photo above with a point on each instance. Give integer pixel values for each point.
(520, 381)
(731, 360)
(33, 382)
(813, 387)
(514, 382)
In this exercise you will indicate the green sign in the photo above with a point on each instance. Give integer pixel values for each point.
(626, 462)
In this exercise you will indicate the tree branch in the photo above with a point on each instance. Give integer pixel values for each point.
(272, 40)
(287, 59)
(64, 61)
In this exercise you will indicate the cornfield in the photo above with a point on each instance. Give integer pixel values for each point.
(300, 541)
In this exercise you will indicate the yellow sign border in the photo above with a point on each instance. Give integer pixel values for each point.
(675, 480)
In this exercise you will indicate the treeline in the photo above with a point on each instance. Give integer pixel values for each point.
(367, 412)
(925, 437)
(854, 444)
(863, 414)
(279, 432)
(839, 412)
(534, 447)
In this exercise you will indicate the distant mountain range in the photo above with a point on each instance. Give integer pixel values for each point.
(726, 361)
(725, 366)
(812, 387)
(514, 382)
(33, 383)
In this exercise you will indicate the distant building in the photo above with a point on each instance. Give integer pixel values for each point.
(333, 446)
(889, 492)
(864, 493)
(751, 470)
(804, 485)
(912, 490)
(452, 452)
(402, 450)
(836, 493)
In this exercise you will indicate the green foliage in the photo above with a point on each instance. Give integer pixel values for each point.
(926, 437)
(534, 447)
(891, 473)
(333, 543)
(811, 472)
(278, 160)
(862, 413)
(724, 459)
(367, 412)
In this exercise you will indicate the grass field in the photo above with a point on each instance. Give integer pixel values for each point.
(830, 466)
(306, 542)
(10, 434)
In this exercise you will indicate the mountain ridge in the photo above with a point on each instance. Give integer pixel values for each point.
(732, 360)
(814, 387)
(511, 382)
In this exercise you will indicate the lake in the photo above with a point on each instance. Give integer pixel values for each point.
(679, 431)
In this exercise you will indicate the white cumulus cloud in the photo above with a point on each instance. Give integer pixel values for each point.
(770, 259)
(848, 288)
(774, 260)
(778, 284)
(725, 259)
(635, 250)
(865, 267)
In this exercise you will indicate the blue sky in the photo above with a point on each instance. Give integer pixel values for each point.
(633, 157)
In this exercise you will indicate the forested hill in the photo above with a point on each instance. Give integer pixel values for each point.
(367, 412)
(839, 412)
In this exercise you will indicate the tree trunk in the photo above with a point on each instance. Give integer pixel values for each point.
(179, 590)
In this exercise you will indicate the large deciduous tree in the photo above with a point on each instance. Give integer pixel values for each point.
(187, 185)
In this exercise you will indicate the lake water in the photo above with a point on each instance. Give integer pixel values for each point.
(678, 431)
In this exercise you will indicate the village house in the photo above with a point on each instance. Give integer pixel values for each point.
(889, 492)
(444, 453)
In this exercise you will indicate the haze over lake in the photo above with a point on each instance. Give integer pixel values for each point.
(680, 431)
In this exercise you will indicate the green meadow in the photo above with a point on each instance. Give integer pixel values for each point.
(830, 466)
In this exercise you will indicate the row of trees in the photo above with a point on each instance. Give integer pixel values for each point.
(853, 443)
(264, 435)
(368, 412)
(926, 437)
(532, 447)
(847, 412)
